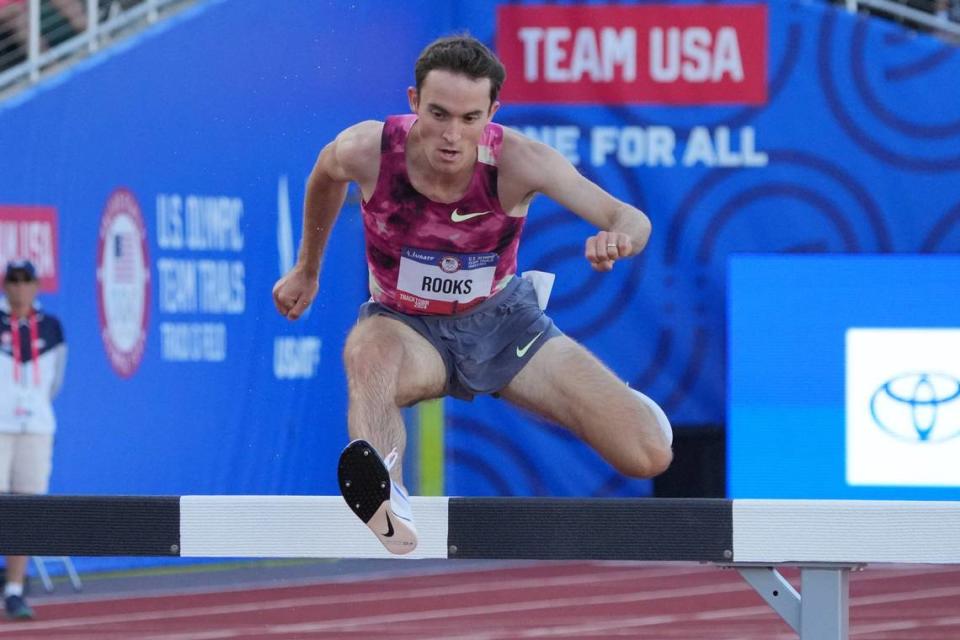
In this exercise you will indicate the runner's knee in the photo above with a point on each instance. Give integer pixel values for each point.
(370, 357)
(647, 453)
(643, 459)
(636, 448)
(658, 459)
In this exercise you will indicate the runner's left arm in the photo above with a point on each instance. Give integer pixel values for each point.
(624, 228)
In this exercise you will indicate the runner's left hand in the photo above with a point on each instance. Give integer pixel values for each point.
(606, 247)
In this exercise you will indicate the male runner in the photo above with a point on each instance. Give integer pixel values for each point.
(445, 195)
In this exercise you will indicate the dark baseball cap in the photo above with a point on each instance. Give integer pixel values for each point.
(22, 270)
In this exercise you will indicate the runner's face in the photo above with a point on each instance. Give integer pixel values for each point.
(452, 111)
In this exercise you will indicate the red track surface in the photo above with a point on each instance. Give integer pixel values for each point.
(553, 600)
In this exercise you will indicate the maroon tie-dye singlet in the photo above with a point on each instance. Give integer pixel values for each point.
(428, 257)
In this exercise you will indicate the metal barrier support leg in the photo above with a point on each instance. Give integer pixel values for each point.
(779, 594)
(824, 611)
(40, 562)
(72, 572)
(819, 611)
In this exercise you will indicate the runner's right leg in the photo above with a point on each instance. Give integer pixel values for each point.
(389, 366)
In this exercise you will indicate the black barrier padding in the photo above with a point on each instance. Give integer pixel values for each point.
(650, 529)
(89, 525)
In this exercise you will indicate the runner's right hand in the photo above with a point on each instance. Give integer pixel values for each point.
(294, 292)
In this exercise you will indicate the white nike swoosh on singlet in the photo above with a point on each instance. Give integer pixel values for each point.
(456, 216)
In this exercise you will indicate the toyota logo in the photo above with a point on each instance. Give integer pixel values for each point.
(918, 407)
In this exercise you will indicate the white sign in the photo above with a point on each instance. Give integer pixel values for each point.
(903, 407)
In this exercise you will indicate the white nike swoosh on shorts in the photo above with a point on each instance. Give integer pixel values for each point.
(523, 351)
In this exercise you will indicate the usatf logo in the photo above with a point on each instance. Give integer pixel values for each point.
(294, 357)
(903, 407)
(123, 282)
(918, 407)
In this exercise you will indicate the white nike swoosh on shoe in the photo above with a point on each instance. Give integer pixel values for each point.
(522, 351)
(395, 532)
(456, 216)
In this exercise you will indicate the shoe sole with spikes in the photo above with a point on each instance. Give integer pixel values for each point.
(366, 487)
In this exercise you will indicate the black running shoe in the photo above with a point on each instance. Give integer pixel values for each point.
(378, 501)
(17, 608)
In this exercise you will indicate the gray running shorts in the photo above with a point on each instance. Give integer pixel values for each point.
(484, 347)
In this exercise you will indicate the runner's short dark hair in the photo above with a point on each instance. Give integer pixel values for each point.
(461, 54)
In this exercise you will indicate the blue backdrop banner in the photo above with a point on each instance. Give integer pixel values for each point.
(163, 182)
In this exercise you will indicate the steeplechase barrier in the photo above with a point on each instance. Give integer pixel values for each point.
(825, 539)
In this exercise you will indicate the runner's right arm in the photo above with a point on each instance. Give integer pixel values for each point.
(353, 156)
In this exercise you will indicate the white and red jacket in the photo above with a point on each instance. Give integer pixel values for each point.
(33, 357)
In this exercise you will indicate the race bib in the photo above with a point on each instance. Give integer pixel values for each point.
(439, 282)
